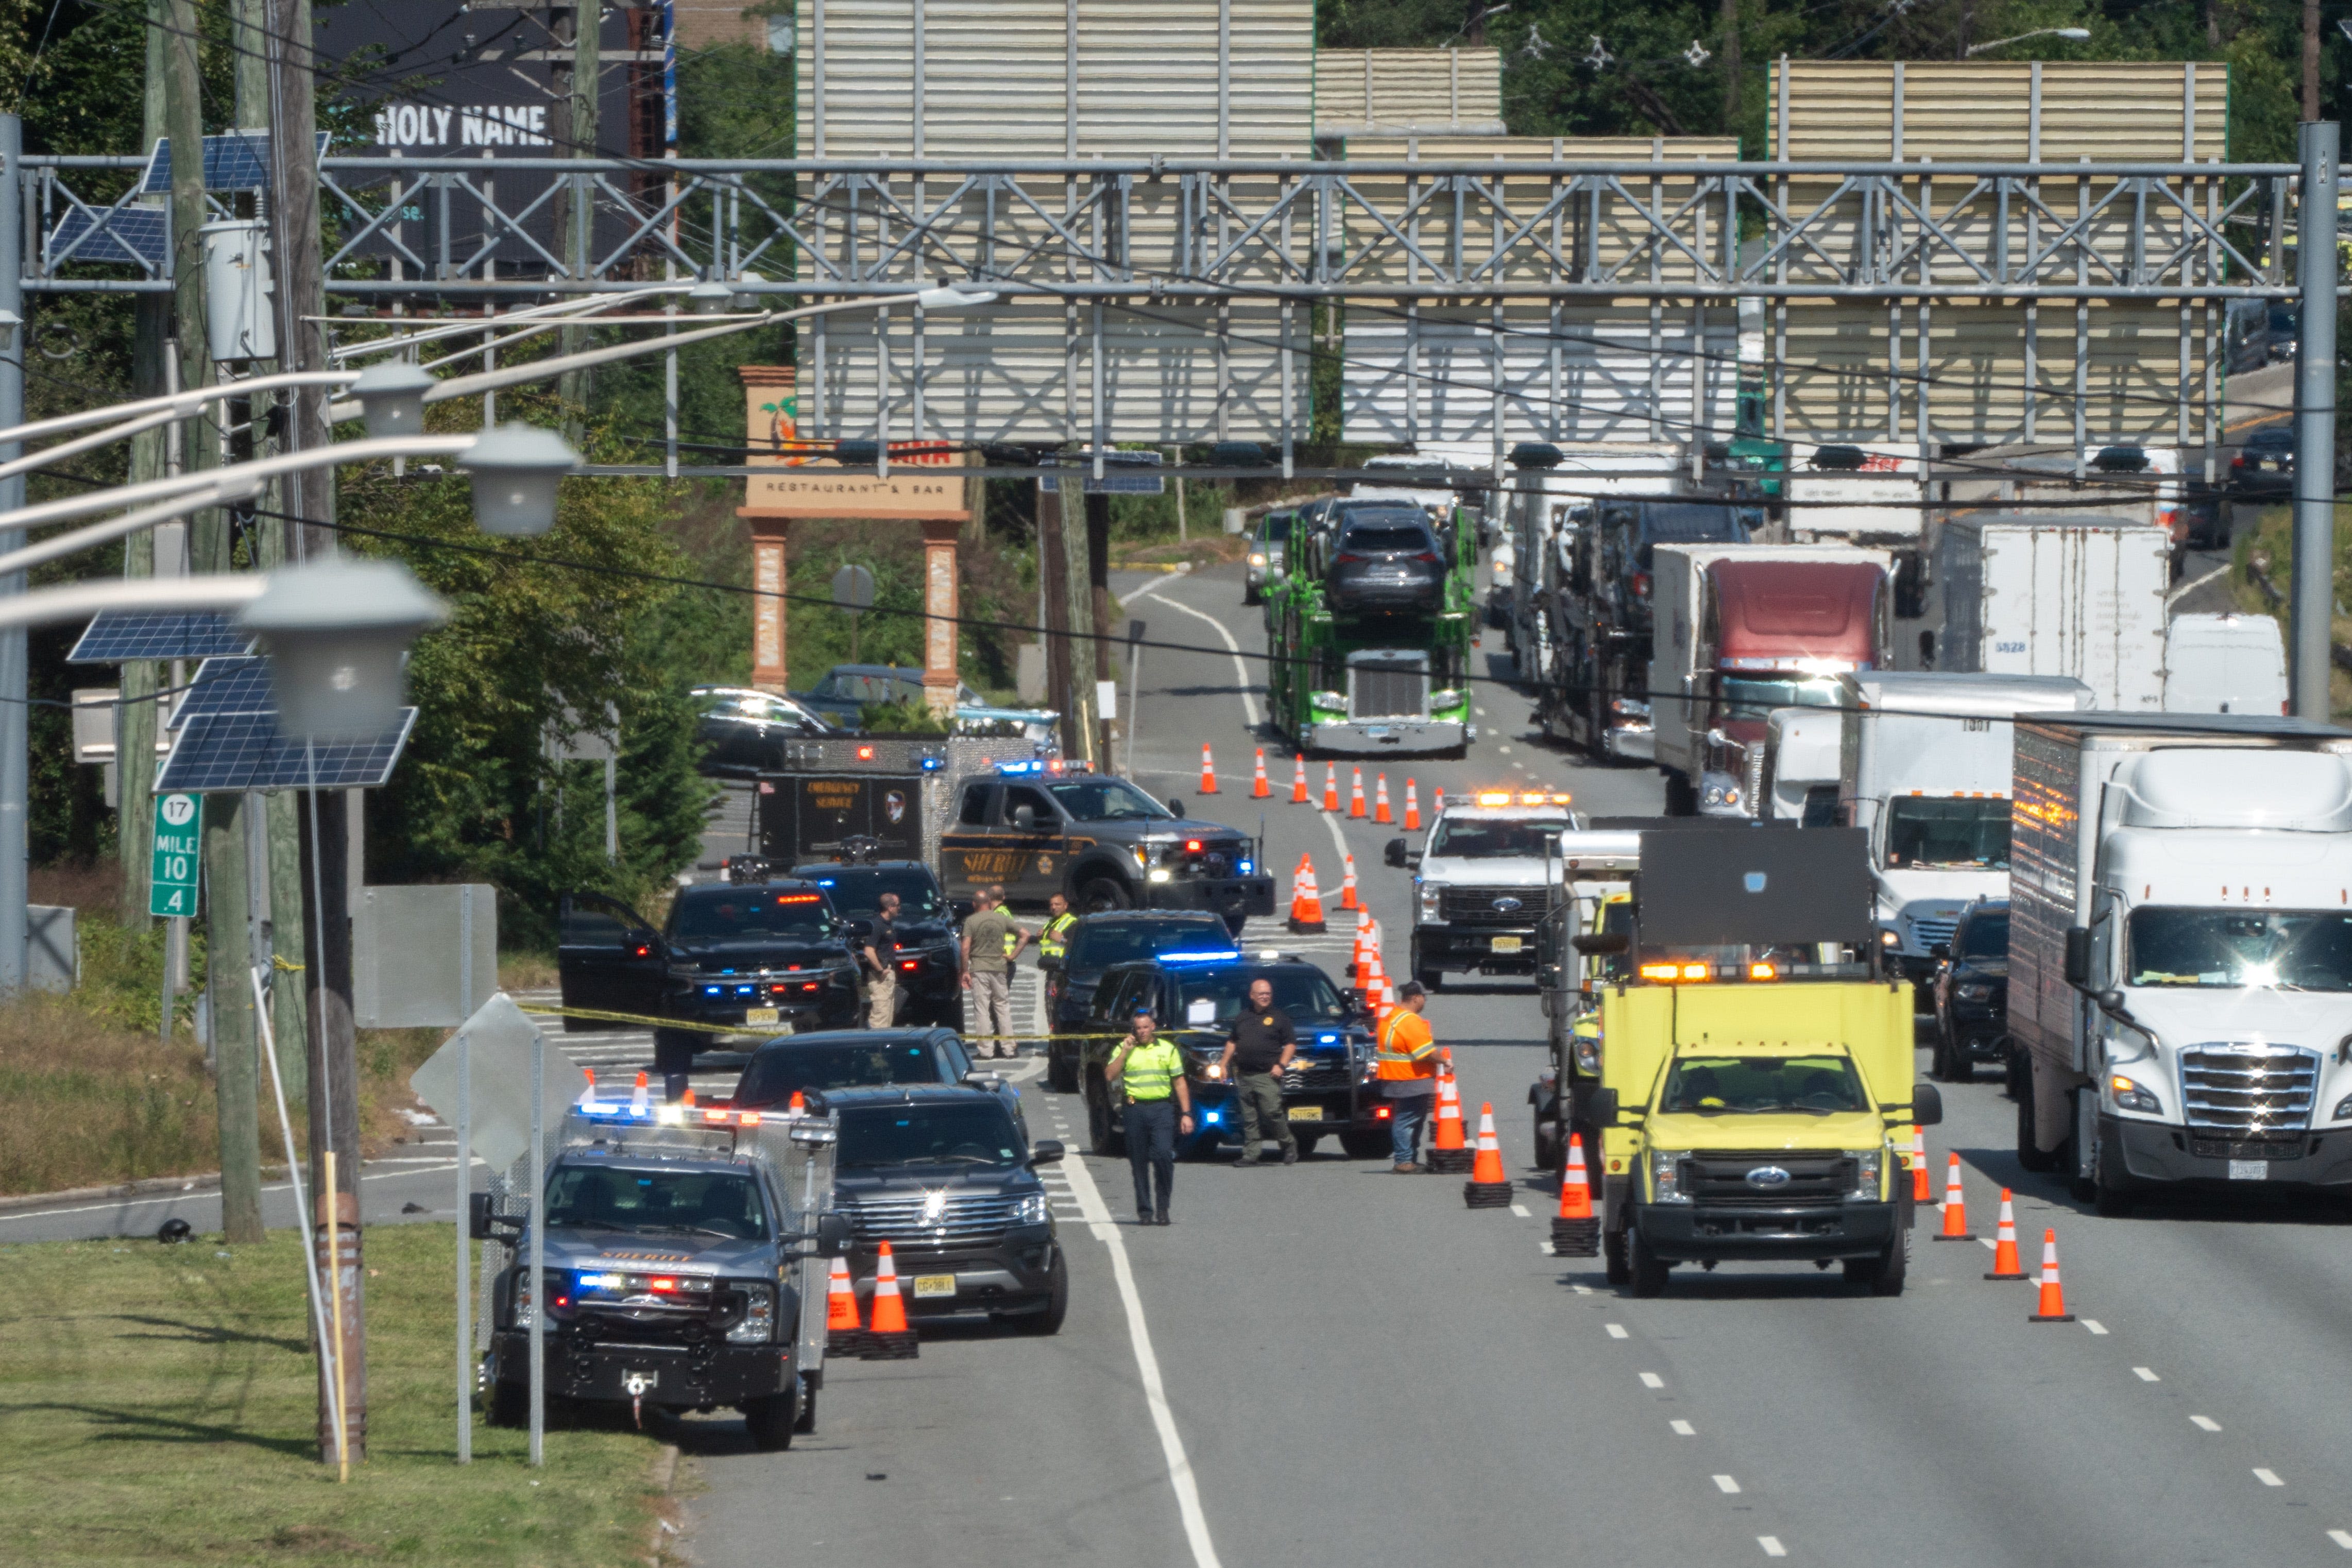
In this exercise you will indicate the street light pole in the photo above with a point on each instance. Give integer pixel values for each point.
(2315, 424)
(15, 734)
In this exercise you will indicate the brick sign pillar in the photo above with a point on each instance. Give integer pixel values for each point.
(770, 422)
(939, 609)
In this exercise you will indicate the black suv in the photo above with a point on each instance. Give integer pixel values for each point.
(1096, 943)
(815, 1065)
(1972, 992)
(746, 729)
(1194, 1002)
(1047, 827)
(1386, 562)
(947, 1178)
(929, 988)
(764, 958)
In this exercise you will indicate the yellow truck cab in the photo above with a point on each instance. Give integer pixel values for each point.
(1756, 1094)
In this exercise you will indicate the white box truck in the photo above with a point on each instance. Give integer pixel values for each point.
(1924, 763)
(1799, 782)
(2058, 596)
(2224, 664)
(2180, 952)
(1871, 494)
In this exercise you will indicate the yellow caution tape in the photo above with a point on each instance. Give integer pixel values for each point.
(642, 1021)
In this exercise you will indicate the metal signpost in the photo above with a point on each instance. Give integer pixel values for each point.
(852, 590)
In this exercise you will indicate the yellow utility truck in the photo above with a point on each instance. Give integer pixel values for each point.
(1756, 1094)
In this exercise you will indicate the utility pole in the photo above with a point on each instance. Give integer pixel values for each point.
(325, 842)
(1077, 583)
(1731, 68)
(138, 719)
(1061, 688)
(579, 115)
(16, 736)
(2315, 423)
(1098, 602)
(2310, 59)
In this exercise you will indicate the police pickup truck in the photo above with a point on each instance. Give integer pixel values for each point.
(1194, 998)
(682, 1266)
(1047, 826)
(1483, 880)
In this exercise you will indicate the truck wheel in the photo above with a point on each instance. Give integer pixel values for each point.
(1682, 796)
(1306, 1141)
(1101, 895)
(1100, 1137)
(1372, 1145)
(1548, 1143)
(2029, 1153)
(1061, 1072)
(509, 1403)
(1649, 1270)
(1614, 1265)
(772, 1421)
(1058, 1302)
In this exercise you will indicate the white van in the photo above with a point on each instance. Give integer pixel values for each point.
(2224, 664)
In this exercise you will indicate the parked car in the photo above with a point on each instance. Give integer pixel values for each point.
(1971, 987)
(1386, 562)
(815, 1065)
(2265, 466)
(747, 729)
(1096, 943)
(845, 690)
(2204, 518)
(1266, 550)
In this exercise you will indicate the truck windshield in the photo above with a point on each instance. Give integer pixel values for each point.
(749, 913)
(1685, 522)
(710, 1202)
(859, 890)
(1923, 831)
(1212, 999)
(1106, 800)
(1745, 697)
(1494, 838)
(1762, 1086)
(777, 1072)
(977, 1133)
(2292, 949)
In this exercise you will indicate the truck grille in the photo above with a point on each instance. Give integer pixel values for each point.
(2250, 1088)
(1320, 1072)
(974, 1221)
(1476, 906)
(1721, 1179)
(1387, 691)
(1928, 933)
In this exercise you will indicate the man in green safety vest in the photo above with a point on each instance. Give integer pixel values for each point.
(1053, 941)
(1150, 1073)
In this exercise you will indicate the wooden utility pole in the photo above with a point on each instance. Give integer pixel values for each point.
(1098, 604)
(2311, 59)
(1731, 68)
(135, 727)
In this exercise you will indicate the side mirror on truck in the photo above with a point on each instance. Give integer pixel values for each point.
(1598, 943)
(1393, 853)
(2078, 956)
(484, 1226)
(1926, 1105)
(1602, 1107)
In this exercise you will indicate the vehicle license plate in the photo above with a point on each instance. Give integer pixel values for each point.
(1508, 943)
(2250, 1169)
(1305, 1112)
(934, 1284)
(762, 1015)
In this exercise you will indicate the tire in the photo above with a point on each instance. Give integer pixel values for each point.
(1432, 979)
(2027, 1154)
(1251, 596)
(1615, 1264)
(1100, 1136)
(1306, 1141)
(1061, 1073)
(674, 1051)
(1682, 796)
(770, 1422)
(1648, 1270)
(1370, 1145)
(509, 1403)
(1887, 1273)
(1102, 895)
(1549, 1143)
(806, 1420)
(1058, 1302)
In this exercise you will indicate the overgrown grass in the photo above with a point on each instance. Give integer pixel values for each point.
(87, 1101)
(158, 1406)
(2262, 582)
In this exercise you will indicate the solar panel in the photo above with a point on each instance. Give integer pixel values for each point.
(238, 161)
(238, 684)
(134, 235)
(231, 753)
(118, 635)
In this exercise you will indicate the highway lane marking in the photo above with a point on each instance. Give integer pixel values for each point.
(1682, 1428)
(2342, 1538)
(2205, 1423)
(1521, 1210)
(199, 1194)
(1582, 1289)
(2095, 1326)
(1181, 1477)
(2268, 1477)
(1616, 1331)
(2146, 1374)
(1241, 670)
(1726, 1484)
(1771, 1546)
(2194, 583)
(1985, 1241)
(1652, 1380)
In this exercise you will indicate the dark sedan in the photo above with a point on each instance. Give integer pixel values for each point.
(2265, 466)
(746, 729)
(1387, 563)
(1097, 943)
(815, 1065)
(1972, 992)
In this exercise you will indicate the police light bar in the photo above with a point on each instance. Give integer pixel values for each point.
(1227, 956)
(1493, 797)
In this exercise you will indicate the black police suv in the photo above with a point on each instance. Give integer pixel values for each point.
(925, 957)
(946, 1177)
(762, 957)
(1972, 992)
(815, 1065)
(1194, 1001)
(1097, 943)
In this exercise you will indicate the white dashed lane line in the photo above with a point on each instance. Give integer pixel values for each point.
(1682, 1428)
(2146, 1374)
(2204, 1423)
(1771, 1546)
(2095, 1326)
(1521, 1210)
(2342, 1538)
(1727, 1486)
(1616, 1331)
(2268, 1477)
(1652, 1380)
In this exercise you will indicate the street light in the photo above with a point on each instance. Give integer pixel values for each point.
(391, 398)
(710, 298)
(2072, 35)
(516, 469)
(336, 633)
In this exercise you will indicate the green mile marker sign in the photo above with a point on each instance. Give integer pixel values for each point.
(179, 842)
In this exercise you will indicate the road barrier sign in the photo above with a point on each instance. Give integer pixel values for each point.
(179, 854)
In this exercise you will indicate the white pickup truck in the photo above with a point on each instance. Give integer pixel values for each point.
(1485, 877)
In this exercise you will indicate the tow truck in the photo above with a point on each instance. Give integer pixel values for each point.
(1485, 878)
(683, 1266)
(1755, 1090)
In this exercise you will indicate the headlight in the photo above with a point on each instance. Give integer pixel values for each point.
(2343, 1110)
(1431, 895)
(759, 1324)
(2130, 1095)
(1257, 560)
(1212, 1068)
(1889, 938)
(1335, 700)
(1867, 1164)
(559, 1290)
(1666, 1175)
(1159, 874)
(1030, 1210)
(1451, 697)
(1588, 1055)
(1972, 993)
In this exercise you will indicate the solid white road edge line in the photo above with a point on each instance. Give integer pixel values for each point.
(2194, 583)
(365, 1176)
(1241, 670)
(1147, 1365)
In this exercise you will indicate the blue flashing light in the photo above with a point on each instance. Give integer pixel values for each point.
(613, 1110)
(1012, 770)
(747, 991)
(601, 1281)
(1248, 867)
(1211, 1118)
(1326, 1039)
(1228, 955)
(710, 991)
(933, 764)
(824, 881)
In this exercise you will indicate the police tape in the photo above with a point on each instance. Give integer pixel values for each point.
(641, 1021)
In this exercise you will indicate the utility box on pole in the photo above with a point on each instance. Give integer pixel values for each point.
(240, 315)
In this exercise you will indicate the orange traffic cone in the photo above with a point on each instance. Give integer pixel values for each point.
(1208, 771)
(1355, 795)
(1330, 786)
(687, 1100)
(640, 1099)
(1306, 903)
(889, 1338)
(1380, 801)
(1259, 789)
(799, 1106)
(588, 1095)
(1490, 1186)
(1439, 807)
(843, 1335)
(1956, 1209)
(1449, 1151)
(2005, 1264)
(2053, 1296)
(1348, 883)
(1576, 1229)
(1411, 808)
(1299, 796)
(1362, 952)
(1920, 1191)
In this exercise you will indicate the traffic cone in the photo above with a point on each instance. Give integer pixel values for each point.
(1576, 1229)
(1299, 796)
(2005, 1264)
(1355, 795)
(687, 1100)
(640, 1099)
(1358, 958)
(2053, 1296)
(1306, 904)
(1490, 1186)
(1347, 884)
(1208, 771)
(889, 1338)
(1259, 789)
(1956, 1209)
(1411, 808)
(1439, 806)
(1920, 1191)
(1330, 786)
(1380, 801)
(1449, 1151)
(843, 1335)
(588, 1095)
(799, 1106)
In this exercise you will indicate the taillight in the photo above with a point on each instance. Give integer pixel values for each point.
(1427, 557)
(1347, 558)
(2239, 461)
(1640, 585)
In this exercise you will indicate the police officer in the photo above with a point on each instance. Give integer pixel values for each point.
(1260, 1047)
(1405, 1056)
(1149, 1072)
(881, 965)
(1053, 941)
(990, 940)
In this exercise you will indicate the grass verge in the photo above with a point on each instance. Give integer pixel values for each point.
(158, 1406)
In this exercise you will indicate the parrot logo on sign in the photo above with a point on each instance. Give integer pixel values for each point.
(895, 804)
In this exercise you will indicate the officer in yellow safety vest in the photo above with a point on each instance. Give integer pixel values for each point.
(1150, 1074)
(1405, 1057)
(1053, 941)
